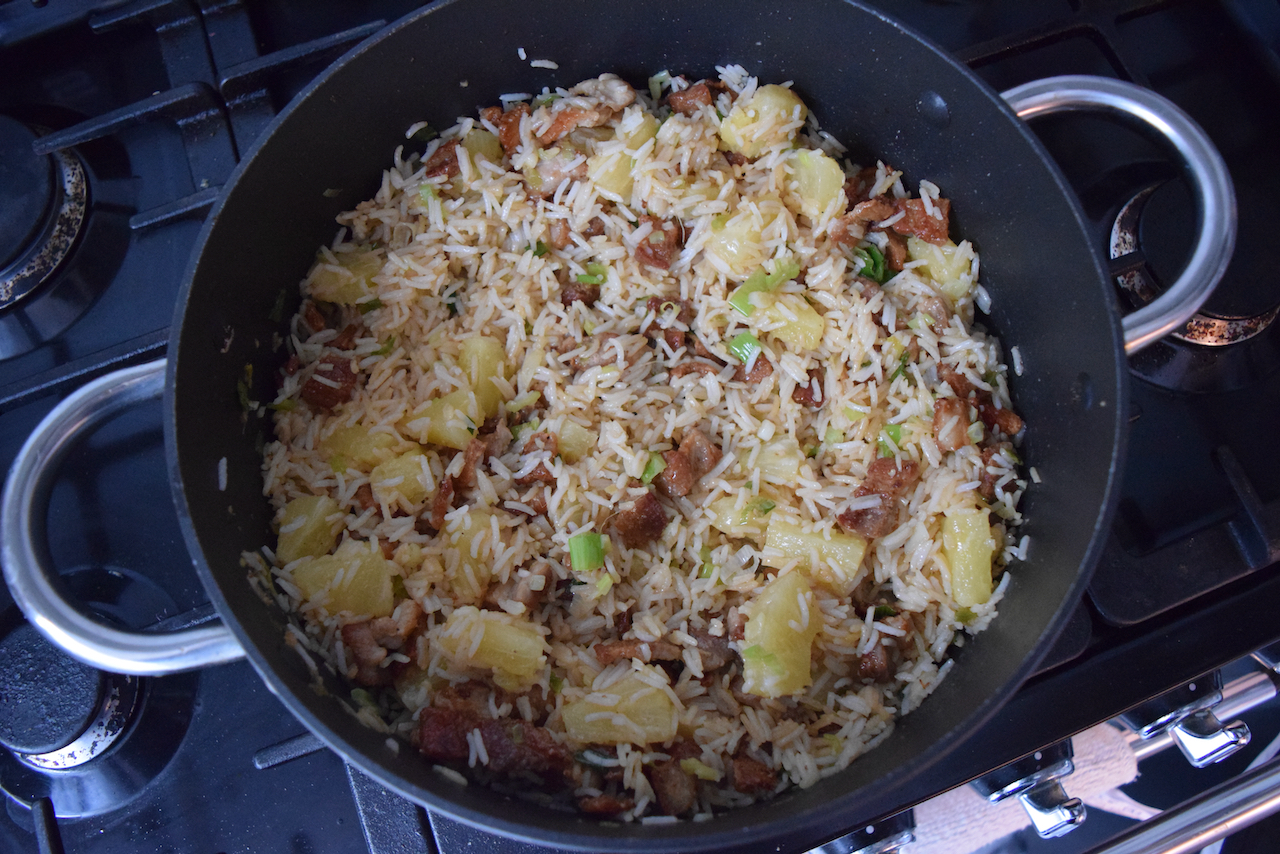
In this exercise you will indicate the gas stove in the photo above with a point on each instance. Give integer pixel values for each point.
(120, 122)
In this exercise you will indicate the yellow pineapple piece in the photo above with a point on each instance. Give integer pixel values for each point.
(511, 647)
(642, 713)
(306, 529)
(969, 546)
(781, 625)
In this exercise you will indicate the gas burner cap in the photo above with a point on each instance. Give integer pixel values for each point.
(27, 180)
(49, 699)
(1204, 329)
(44, 202)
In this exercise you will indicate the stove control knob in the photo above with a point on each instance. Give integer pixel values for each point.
(1186, 713)
(887, 836)
(1035, 781)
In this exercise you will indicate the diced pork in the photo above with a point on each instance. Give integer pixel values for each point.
(676, 791)
(641, 522)
(332, 383)
(444, 161)
(951, 423)
(753, 777)
(811, 393)
(607, 652)
(662, 244)
(889, 479)
(691, 100)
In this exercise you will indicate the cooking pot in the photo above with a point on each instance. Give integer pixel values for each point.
(875, 85)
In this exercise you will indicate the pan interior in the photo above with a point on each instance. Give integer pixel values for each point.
(875, 86)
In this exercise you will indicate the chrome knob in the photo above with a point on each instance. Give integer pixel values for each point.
(1186, 713)
(1036, 782)
(887, 836)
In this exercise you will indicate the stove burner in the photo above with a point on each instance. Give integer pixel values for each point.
(45, 203)
(88, 741)
(1202, 329)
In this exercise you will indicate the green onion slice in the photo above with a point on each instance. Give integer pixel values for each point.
(370, 305)
(539, 249)
(586, 551)
(873, 266)
(885, 611)
(654, 467)
(762, 280)
(745, 347)
(387, 347)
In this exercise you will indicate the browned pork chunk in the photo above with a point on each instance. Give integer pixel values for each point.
(641, 522)
(660, 246)
(607, 652)
(689, 101)
(753, 777)
(888, 478)
(332, 383)
(676, 791)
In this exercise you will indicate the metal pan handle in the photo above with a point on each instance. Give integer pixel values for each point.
(35, 585)
(1211, 183)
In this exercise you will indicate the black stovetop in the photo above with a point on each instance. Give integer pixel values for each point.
(159, 98)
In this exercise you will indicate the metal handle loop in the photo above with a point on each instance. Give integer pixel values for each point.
(35, 586)
(1211, 183)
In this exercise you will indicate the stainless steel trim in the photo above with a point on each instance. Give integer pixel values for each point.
(1203, 820)
(1211, 183)
(35, 586)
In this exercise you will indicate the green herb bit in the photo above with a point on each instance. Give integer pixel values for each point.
(756, 653)
(890, 440)
(286, 405)
(586, 551)
(556, 682)
(540, 249)
(762, 506)
(527, 399)
(387, 347)
(964, 615)
(708, 569)
(854, 414)
(873, 266)
(975, 432)
(242, 392)
(426, 133)
(885, 611)
(277, 311)
(745, 347)
(762, 280)
(920, 321)
(363, 698)
(833, 436)
(655, 466)
(545, 98)
(902, 366)
(426, 193)
(812, 451)
(370, 305)
(894, 432)
(595, 275)
(657, 82)
(398, 590)
(604, 584)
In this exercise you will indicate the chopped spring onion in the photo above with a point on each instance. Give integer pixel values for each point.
(763, 505)
(586, 551)
(873, 266)
(426, 193)
(556, 682)
(700, 770)
(363, 698)
(975, 432)
(833, 436)
(657, 82)
(892, 434)
(854, 414)
(762, 280)
(286, 405)
(708, 568)
(920, 321)
(520, 402)
(885, 611)
(604, 585)
(545, 98)
(370, 305)
(902, 366)
(595, 274)
(746, 347)
(835, 742)
(387, 347)
(539, 249)
(812, 451)
(654, 467)
(242, 392)
(719, 221)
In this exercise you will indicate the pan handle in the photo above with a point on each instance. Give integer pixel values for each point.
(35, 586)
(1211, 183)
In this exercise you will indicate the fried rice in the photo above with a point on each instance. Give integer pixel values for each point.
(638, 444)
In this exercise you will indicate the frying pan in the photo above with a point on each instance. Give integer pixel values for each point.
(876, 86)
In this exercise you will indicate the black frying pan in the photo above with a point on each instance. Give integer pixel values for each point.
(875, 86)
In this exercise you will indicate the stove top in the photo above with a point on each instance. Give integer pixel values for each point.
(120, 121)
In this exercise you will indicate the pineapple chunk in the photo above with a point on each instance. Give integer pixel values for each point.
(815, 183)
(969, 547)
(945, 264)
(779, 637)
(642, 714)
(801, 328)
(449, 420)
(613, 172)
(735, 240)
(778, 461)
(767, 118)
(747, 521)
(512, 648)
(347, 281)
(482, 360)
(365, 586)
(838, 557)
(479, 143)
(471, 538)
(305, 529)
(576, 441)
(399, 480)
(357, 445)
(636, 132)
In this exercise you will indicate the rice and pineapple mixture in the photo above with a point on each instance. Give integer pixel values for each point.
(635, 443)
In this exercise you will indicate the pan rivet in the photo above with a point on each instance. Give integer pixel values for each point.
(934, 108)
